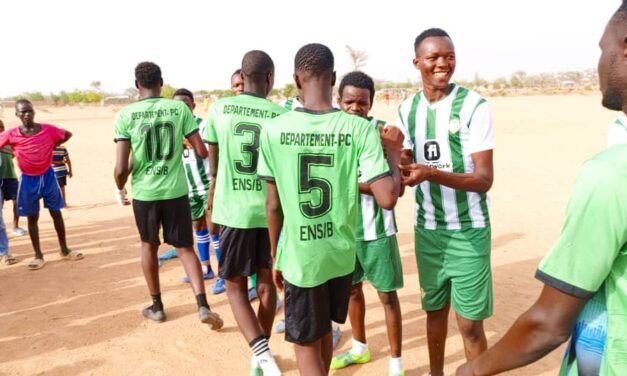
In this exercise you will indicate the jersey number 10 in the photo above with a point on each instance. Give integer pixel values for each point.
(159, 141)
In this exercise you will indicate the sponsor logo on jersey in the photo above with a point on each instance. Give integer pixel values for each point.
(432, 150)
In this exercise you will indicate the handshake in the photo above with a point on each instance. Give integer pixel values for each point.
(411, 173)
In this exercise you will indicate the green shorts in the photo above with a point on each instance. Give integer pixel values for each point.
(454, 266)
(379, 262)
(198, 204)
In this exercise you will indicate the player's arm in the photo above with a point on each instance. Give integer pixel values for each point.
(545, 326)
(69, 164)
(213, 166)
(66, 137)
(199, 147)
(386, 190)
(480, 180)
(274, 212)
(121, 171)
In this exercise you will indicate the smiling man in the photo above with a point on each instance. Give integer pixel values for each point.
(449, 131)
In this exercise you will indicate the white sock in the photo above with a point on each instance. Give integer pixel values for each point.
(359, 348)
(396, 365)
(268, 364)
(253, 362)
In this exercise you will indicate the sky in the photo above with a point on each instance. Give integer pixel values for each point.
(51, 46)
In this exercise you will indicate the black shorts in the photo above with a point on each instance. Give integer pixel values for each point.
(309, 311)
(175, 217)
(243, 251)
(62, 181)
(9, 189)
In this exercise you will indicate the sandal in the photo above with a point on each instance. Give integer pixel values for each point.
(36, 263)
(72, 255)
(8, 259)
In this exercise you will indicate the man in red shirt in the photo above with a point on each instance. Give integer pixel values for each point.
(32, 144)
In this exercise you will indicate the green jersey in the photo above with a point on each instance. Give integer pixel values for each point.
(7, 170)
(591, 251)
(155, 128)
(374, 222)
(235, 124)
(314, 159)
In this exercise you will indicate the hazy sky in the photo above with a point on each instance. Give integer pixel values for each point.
(55, 45)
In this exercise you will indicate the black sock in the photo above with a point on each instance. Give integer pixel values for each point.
(201, 299)
(157, 305)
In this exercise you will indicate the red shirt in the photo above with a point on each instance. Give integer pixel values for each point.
(33, 153)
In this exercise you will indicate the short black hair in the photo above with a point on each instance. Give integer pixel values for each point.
(256, 65)
(237, 71)
(621, 12)
(433, 32)
(148, 74)
(184, 92)
(22, 101)
(360, 80)
(315, 59)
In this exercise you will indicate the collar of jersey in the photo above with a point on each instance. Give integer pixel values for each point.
(441, 100)
(252, 94)
(145, 99)
(308, 111)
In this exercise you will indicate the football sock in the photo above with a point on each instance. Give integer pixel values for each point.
(396, 365)
(201, 299)
(215, 240)
(262, 354)
(359, 348)
(157, 305)
(202, 242)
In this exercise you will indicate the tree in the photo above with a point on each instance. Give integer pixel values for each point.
(289, 90)
(518, 79)
(167, 91)
(132, 92)
(95, 85)
(358, 57)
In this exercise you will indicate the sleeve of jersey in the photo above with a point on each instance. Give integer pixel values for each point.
(265, 169)
(372, 162)
(401, 124)
(189, 123)
(121, 128)
(592, 236)
(481, 129)
(211, 136)
(57, 133)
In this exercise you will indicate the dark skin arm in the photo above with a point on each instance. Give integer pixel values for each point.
(275, 224)
(198, 145)
(387, 190)
(480, 180)
(68, 135)
(122, 166)
(213, 166)
(537, 332)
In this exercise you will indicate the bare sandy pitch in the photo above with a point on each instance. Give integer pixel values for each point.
(84, 317)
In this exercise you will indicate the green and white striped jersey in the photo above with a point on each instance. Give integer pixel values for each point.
(196, 169)
(617, 131)
(373, 222)
(291, 103)
(444, 135)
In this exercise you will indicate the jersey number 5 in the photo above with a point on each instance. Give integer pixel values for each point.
(251, 148)
(308, 184)
(161, 135)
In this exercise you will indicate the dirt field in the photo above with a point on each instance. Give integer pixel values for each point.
(84, 317)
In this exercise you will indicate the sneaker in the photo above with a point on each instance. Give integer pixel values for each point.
(280, 326)
(209, 275)
(402, 373)
(18, 231)
(170, 254)
(346, 359)
(219, 287)
(256, 372)
(7, 259)
(158, 316)
(337, 334)
(252, 294)
(208, 317)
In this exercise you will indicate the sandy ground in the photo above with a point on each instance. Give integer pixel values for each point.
(84, 317)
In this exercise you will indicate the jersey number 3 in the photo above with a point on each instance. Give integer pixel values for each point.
(251, 148)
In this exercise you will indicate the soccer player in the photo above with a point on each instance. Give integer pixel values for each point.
(153, 129)
(10, 183)
(449, 131)
(237, 82)
(378, 257)
(590, 255)
(237, 203)
(310, 158)
(32, 144)
(62, 167)
(197, 175)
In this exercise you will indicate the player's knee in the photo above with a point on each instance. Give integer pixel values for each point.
(388, 298)
(471, 331)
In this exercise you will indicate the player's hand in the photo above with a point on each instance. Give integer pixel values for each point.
(414, 173)
(277, 277)
(465, 370)
(391, 138)
(120, 197)
(70, 174)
